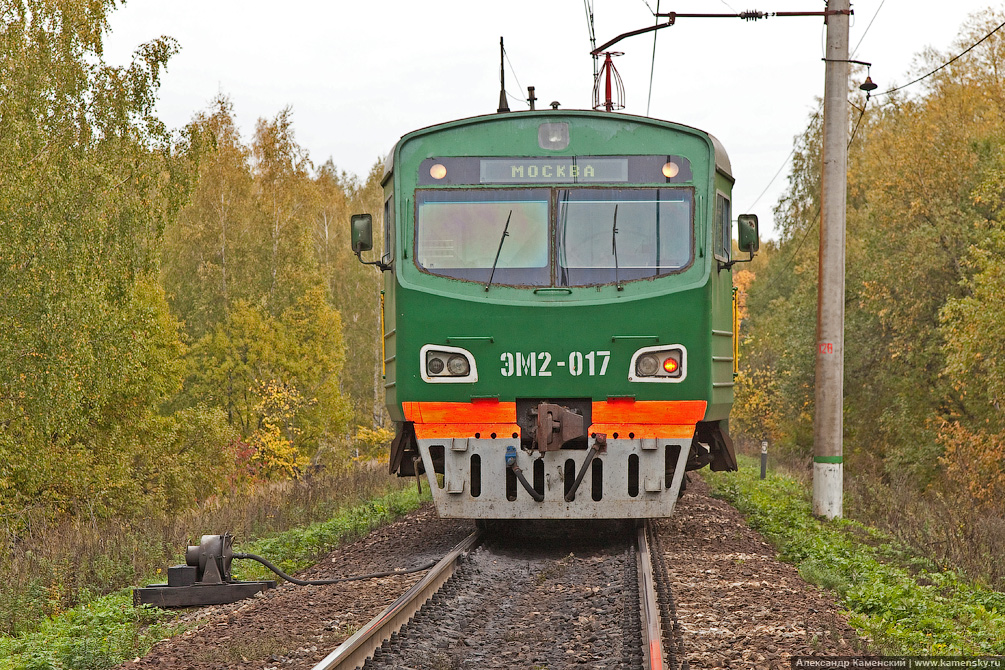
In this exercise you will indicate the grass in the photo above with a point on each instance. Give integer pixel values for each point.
(93, 636)
(938, 520)
(52, 568)
(101, 631)
(302, 547)
(905, 602)
(942, 523)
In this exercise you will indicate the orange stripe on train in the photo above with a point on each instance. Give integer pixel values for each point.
(460, 412)
(641, 419)
(662, 412)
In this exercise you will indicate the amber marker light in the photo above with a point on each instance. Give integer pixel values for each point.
(671, 365)
(670, 170)
(439, 171)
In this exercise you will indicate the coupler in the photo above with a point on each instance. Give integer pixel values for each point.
(205, 579)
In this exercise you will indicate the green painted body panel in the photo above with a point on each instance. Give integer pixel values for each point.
(684, 308)
(489, 331)
(721, 313)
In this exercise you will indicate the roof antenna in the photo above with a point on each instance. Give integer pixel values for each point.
(503, 106)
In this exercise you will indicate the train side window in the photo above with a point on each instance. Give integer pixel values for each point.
(722, 242)
(388, 230)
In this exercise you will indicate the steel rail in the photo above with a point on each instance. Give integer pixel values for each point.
(652, 631)
(353, 652)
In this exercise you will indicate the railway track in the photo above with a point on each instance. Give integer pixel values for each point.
(499, 601)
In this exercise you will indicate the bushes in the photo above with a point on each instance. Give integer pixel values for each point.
(277, 379)
(132, 260)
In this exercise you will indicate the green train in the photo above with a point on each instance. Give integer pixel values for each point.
(558, 312)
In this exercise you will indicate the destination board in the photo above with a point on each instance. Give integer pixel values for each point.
(556, 170)
(573, 170)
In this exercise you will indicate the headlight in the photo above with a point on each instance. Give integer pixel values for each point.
(458, 366)
(443, 364)
(647, 365)
(665, 363)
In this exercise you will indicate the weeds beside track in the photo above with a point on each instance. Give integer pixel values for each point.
(904, 602)
(60, 610)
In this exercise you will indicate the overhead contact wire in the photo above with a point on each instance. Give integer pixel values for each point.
(946, 64)
(858, 122)
(513, 71)
(588, 6)
(780, 168)
(871, 21)
(952, 60)
(652, 66)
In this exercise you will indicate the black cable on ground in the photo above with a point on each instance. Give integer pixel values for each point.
(325, 582)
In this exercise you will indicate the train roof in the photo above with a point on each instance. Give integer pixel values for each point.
(722, 163)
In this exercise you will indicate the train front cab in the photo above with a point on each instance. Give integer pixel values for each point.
(522, 384)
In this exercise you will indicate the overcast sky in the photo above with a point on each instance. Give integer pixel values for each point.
(360, 74)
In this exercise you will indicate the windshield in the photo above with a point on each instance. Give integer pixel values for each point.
(458, 234)
(651, 235)
(463, 234)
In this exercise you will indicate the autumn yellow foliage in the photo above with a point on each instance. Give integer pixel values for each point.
(373, 443)
(975, 461)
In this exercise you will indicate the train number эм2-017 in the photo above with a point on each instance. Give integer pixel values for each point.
(538, 364)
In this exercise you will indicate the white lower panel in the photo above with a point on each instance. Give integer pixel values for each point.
(828, 489)
(654, 497)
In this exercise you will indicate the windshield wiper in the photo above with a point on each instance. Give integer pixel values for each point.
(614, 245)
(499, 250)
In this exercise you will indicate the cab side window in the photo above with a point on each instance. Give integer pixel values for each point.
(722, 240)
(388, 230)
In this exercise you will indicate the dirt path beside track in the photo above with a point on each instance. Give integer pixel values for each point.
(738, 605)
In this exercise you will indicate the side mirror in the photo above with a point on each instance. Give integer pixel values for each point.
(747, 237)
(361, 226)
(362, 233)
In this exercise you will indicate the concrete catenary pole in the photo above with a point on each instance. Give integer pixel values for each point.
(828, 426)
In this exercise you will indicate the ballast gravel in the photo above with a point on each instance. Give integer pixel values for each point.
(513, 606)
(737, 605)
